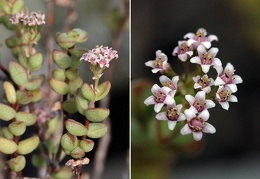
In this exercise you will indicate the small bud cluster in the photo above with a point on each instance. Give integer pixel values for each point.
(35, 18)
(200, 92)
(100, 55)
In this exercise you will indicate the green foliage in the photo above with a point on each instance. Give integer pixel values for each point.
(76, 128)
(6, 112)
(96, 130)
(17, 164)
(28, 145)
(7, 146)
(97, 114)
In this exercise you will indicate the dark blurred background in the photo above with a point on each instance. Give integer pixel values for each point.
(234, 150)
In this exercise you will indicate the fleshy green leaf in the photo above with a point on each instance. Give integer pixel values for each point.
(64, 41)
(70, 106)
(97, 114)
(22, 60)
(62, 173)
(81, 102)
(75, 84)
(17, 164)
(6, 112)
(35, 62)
(7, 134)
(7, 146)
(28, 118)
(17, 128)
(59, 87)
(18, 73)
(37, 95)
(35, 83)
(88, 92)
(78, 35)
(77, 52)
(10, 92)
(59, 75)
(75, 128)
(77, 153)
(24, 97)
(4, 5)
(28, 145)
(72, 74)
(17, 6)
(86, 145)
(69, 141)
(61, 59)
(96, 130)
(103, 90)
(12, 41)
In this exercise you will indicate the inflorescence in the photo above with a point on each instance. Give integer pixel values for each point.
(198, 91)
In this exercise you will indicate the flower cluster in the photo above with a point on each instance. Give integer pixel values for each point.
(204, 92)
(100, 55)
(35, 18)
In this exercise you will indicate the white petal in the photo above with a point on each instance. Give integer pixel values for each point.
(196, 86)
(149, 100)
(155, 88)
(158, 107)
(204, 115)
(178, 107)
(172, 93)
(155, 70)
(230, 67)
(182, 57)
(189, 114)
(212, 37)
(163, 79)
(189, 35)
(161, 116)
(219, 69)
(195, 79)
(233, 87)
(237, 79)
(180, 42)
(193, 109)
(195, 60)
(192, 42)
(225, 105)
(185, 130)
(190, 99)
(216, 62)
(171, 124)
(150, 63)
(190, 53)
(166, 89)
(206, 44)
(197, 136)
(205, 68)
(200, 95)
(201, 50)
(181, 117)
(208, 128)
(175, 80)
(175, 51)
(213, 51)
(219, 81)
(232, 98)
(169, 100)
(207, 89)
(210, 104)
